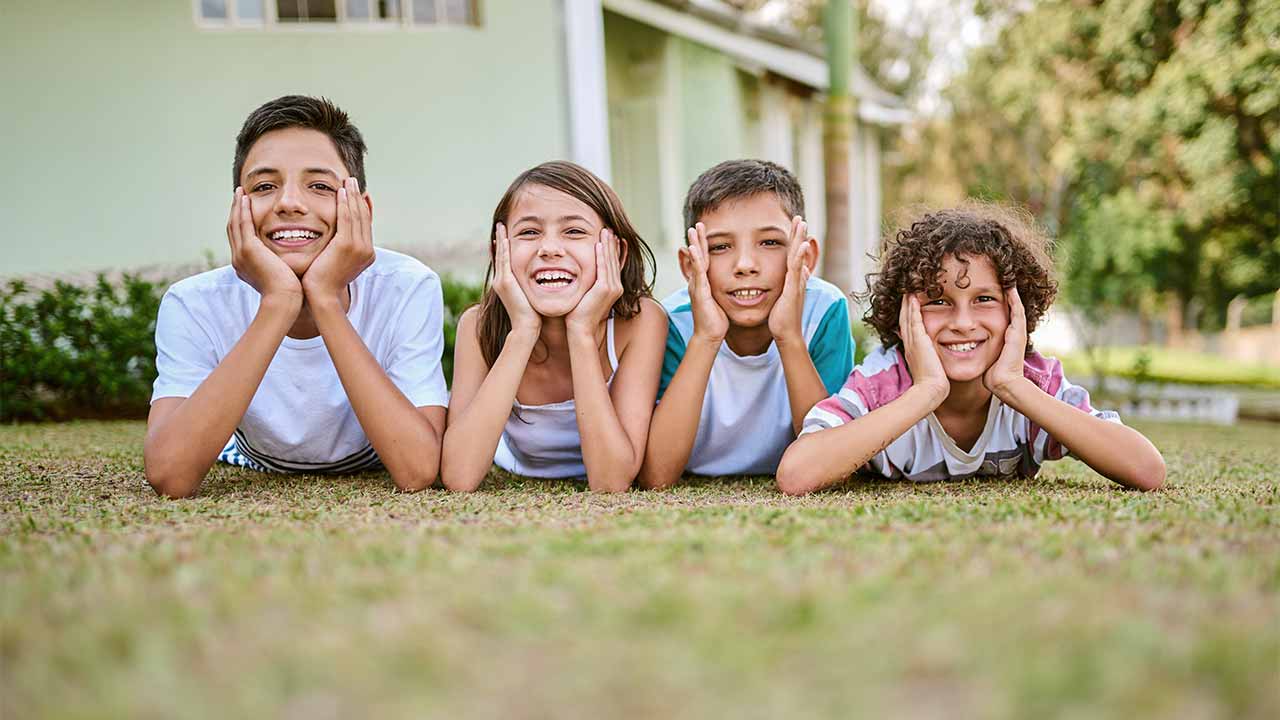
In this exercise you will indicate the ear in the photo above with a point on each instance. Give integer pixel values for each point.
(685, 262)
(624, 248)
(811, 254)
(368, 200)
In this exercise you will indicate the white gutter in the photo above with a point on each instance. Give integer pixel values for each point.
(874, 104)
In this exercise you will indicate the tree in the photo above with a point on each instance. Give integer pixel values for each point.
(1145, 132)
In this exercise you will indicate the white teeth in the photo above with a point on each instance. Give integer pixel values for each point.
(290, 234)
(962, 347)
(746, 294)
(552, 277)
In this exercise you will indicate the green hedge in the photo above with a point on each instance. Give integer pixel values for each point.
(72, 351)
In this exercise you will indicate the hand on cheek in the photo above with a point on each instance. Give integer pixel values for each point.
(254, 263)
(350, 251)
(1007, 368)
(922, 358)
(594, 307)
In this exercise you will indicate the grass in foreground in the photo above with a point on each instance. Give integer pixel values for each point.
(1062, 596)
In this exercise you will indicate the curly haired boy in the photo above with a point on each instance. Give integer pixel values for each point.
(956, 389)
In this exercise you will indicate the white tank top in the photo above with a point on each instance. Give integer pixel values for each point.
(542, 440)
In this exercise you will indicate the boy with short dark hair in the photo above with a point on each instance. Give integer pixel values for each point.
(754, 340)
(313, 351)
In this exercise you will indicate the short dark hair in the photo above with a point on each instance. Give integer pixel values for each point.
(304, 112)
(735, 179)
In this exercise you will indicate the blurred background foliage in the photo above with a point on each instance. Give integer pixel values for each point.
(1144, 133)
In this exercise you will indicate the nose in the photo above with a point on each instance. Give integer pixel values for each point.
(744, 263)
(289, 200)
(550, 246)
(962, 317)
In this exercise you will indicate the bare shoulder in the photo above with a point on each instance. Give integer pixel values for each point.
(649, 323)
(648, 326)
(468, 320)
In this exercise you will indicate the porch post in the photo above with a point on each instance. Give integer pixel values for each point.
(585, 80)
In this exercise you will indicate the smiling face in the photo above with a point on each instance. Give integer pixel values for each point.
(292, 178)
(967, 323)
(747, 243)
(553, 237)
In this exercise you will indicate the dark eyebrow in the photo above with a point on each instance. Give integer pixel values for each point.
(579, 218)
(321, 171)
(262, 171)
(989, 290)
(719, 233)
(767, 228)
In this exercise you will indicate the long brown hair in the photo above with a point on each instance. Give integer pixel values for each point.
(581, 184)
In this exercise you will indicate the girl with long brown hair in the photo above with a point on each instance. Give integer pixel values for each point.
(556, 370)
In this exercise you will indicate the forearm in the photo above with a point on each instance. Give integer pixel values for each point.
(471, 438)
(607, 452)
(804, 385)
(819, 459)
(1117, 452)
(406, 442)
(674, 427)
(182, 446)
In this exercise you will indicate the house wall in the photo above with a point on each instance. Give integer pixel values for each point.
(120, 121)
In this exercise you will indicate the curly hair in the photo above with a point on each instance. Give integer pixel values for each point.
(911, 260)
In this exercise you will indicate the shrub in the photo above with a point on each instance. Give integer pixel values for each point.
(73, 351)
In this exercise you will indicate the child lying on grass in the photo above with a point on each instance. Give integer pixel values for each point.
(956, 389)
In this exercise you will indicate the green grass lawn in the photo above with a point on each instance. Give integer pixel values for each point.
(302, 597)
(1174, 366)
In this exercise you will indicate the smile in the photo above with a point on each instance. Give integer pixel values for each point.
(747, 296)
(553, 279)
(293, 238)
(962, 348)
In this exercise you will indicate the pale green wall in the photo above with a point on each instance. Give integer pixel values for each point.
(119, 126)
(675, 109)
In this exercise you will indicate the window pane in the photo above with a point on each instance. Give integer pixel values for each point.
(357, 9)
(213, 9)
(306, 10)
(388, 9)
(249, 9)
(458, 11)
(424, 11)
(322, 9)
(291, 10)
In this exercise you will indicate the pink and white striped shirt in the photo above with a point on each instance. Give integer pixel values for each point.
(1010, 443)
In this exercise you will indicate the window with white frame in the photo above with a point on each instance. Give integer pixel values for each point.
(352, 14)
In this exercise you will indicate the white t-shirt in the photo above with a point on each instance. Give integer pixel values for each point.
(745, 423)
(300, 419)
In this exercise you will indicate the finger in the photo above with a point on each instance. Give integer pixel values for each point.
(233, 225)
(247, 232)
(702, 239)
(797, 236)
(360, 218)
(502, 251)
(344, 216)
(1018, 313)
(903, 317)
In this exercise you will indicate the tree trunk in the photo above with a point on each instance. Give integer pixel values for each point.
(836, 142)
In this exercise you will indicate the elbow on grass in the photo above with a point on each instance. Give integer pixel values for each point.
(170, 483)
(1149, 474)
(461, 482)
(791, 480)
(413, 480)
